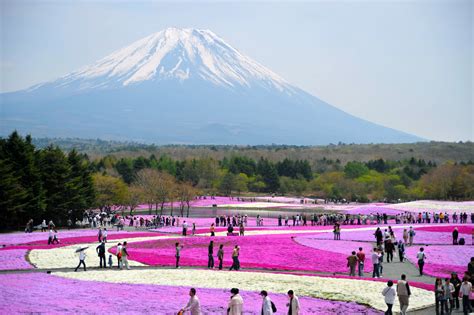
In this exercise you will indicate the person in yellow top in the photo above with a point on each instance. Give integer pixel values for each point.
(235, 258)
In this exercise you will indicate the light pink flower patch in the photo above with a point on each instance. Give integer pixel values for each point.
(441, 261)
(421, 237)
(14, 259)
(48, 294)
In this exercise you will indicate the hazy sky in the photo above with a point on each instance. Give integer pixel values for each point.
(403, 64)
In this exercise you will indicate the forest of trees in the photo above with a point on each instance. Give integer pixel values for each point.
(49, 183)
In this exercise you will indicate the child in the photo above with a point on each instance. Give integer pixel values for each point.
(110, 261)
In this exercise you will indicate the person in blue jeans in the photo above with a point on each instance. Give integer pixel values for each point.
(375, 262)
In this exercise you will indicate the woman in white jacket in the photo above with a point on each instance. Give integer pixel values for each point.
(390, 294)
(294, 304)
(266, 304)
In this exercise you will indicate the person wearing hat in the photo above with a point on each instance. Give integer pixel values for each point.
(293, 304)
(266, 303)
(236, 303)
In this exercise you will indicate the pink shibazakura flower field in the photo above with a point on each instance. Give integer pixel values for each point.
(278, 252)
(464, 229)
(422, 235)
(14, 259)
(42, 293)
(441, 261)
(66, 236)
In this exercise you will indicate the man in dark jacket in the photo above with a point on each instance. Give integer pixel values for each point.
(210, 252)
(101, 252)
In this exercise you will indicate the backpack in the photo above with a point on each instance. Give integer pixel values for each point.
(274, 309)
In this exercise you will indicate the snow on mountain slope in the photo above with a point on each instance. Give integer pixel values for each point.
(176, 54)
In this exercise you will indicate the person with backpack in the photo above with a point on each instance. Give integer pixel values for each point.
(421, 260)
(403, 292)
(268, 307)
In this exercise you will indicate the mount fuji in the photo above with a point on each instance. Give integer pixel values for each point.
(183, 86)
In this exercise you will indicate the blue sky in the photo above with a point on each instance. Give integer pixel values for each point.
(403, 64)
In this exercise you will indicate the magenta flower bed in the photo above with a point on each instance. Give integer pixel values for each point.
(267, 252)
(465, 229)
(13, 259)
(48, 294)
(340, 247)
(441, 261)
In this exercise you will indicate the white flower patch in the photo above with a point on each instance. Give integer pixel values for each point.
(360, 291)
(66, 257)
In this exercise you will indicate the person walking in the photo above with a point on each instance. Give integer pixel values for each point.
(455, 236)
(119, 255)
(101, 252)
(293, 304)
(50, 237)
(421, 260)
(210, 253)
(389, 293)
(185, 228)
(235, 258)
(457, 287)
(241, 229)
(220, 255)
(403, 292)
(193, 306)
(389, 249)
(236, 303)
(178, 253)
(104, 235)
(194, 228)
(401, 250)
(361, 261)
(439, 292)
(55, 237)
(411, 235)
(82, 260)
(125, 256)
(352, 263)
(43, 226)
(466, 288)
(213, 230)
(447, 301)
(375, 262)
(99, 235)
(405, 236)
(267, 308)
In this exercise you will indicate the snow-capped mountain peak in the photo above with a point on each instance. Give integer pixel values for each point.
(180, 54)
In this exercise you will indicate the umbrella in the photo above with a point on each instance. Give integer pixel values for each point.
(81, 249)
